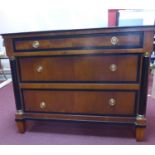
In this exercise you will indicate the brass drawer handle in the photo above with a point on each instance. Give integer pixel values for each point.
(42, 105)
(114, 40)
(35, 44)
(112, 102)
(39, 69)
(113, 67)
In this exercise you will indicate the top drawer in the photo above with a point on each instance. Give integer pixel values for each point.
(117, 40)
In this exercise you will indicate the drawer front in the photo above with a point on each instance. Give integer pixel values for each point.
(79, 42)
(80, 102)
(99, 68)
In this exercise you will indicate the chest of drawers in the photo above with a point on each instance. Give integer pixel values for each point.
(94, 75)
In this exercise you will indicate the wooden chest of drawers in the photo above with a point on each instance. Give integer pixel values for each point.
(95, 75)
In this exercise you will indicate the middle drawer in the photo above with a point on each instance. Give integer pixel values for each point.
(96, 68)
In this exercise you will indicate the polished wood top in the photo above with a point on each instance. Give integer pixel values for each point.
(99, 29)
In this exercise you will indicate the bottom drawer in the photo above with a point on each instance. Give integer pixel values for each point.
(80, 102)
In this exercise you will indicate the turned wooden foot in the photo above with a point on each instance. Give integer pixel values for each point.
(139, 133)
(21, 126)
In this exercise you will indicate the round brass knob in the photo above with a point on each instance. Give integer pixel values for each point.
(112, 102)
(39, 69)
(35, 44)
(113, 67)
(42, 105)
(114, 40)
